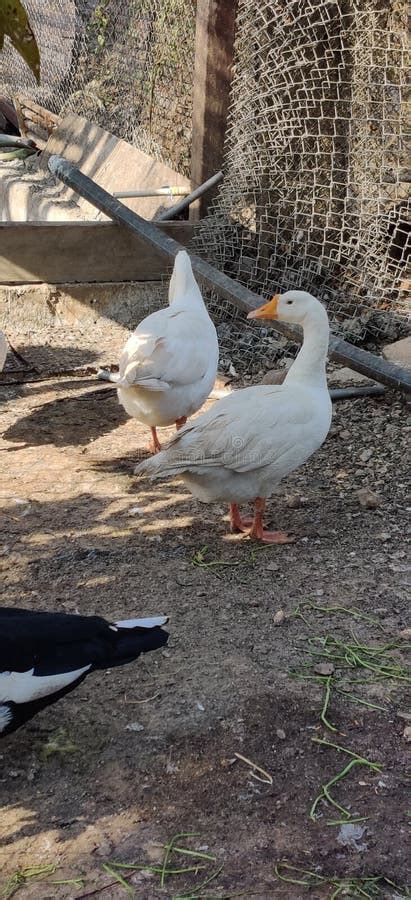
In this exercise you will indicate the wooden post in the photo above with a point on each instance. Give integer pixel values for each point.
(215, 27)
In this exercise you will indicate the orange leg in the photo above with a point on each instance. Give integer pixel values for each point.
(259, 533)
(154, 446)
(180, 422)
(237, 521)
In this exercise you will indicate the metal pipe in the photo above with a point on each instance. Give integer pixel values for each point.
(348, 393)
(184, 204)
(13, 140)
(153, 192)
(360, 360)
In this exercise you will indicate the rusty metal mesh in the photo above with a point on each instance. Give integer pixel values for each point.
(316, 187)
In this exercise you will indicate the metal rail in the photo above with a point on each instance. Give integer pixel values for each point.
(194, 195)
(172, 191)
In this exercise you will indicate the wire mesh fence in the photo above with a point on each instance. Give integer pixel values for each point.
(316, 188)
(124, 64)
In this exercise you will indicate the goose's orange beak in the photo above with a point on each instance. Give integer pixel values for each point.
(268, 311)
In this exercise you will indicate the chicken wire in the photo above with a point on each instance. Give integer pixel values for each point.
(124, 64)
(316, 188)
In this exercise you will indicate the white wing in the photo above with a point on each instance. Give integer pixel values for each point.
(169, 348)
(23, 687)
(154, 622)
(247, 430)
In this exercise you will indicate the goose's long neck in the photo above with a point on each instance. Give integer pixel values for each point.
(309, 366)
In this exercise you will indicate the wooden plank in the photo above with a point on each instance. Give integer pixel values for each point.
(30, 114)
(33, 136)
(68, 252)
(110, 162)
(215, 27)
(20, 118)
(240, 296)
(43, 116)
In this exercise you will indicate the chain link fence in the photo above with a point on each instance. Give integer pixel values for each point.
(316, 187)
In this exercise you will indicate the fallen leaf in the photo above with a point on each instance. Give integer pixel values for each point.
(15, 24)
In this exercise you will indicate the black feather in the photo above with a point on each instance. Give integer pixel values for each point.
(56, 644)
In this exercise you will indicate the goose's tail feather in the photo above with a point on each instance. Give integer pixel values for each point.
(182, 280)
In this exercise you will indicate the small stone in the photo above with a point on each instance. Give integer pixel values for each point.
(294, 501)
(135, 511)
(21, 507)
(399, 352)
(366, 455)
(104, 849)
(344, 435)
(345, 376)
(384, 536)
(274, 376)
(405, 634)
(278, 617)
(407, 733)
(368, 499)
(280, 733)
(324, 668)
(134, 726)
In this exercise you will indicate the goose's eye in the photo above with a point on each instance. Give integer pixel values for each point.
(289, 302)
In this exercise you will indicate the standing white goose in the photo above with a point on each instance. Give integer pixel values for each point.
(240, 449)
(169, 364)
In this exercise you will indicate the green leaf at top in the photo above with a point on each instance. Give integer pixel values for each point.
(14, 23)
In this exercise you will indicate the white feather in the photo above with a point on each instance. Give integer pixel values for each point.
(23, 687)
(169, 364)
(155, 622)
(6, 716)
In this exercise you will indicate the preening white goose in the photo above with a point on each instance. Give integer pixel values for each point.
(169, 364)
(44, 655)
(3, 350)
(241, 448)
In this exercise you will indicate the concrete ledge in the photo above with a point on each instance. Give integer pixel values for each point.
(44, 306)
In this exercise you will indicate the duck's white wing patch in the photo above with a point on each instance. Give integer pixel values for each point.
(155, 622)
(22, 687)
(6, 716)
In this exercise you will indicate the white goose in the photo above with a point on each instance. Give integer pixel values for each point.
(169, 364)
(241, 448)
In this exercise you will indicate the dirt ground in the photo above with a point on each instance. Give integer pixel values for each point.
(137, 755)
